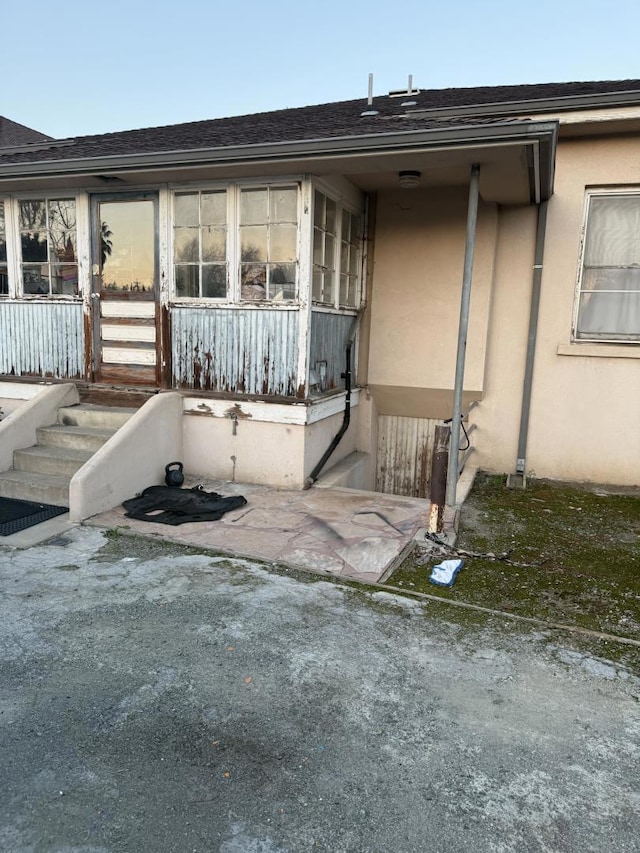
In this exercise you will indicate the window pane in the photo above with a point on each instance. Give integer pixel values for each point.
(318, 210)
(318, 247)
(282, 281)
(612, 316)
(64, 279)
(331, 216)
(185, 209)
(329, 252)
(3, 250)
(353, 261)
(214, 244)
(213, 208)
(2, 225)
(328, 294)
(253, 280)
(62, 214)
(186, 281)
(316, 288)
(34, 247)
(344, 258)
(33, 215)
(613, 231)
(4, 282)
(283, 204)
(63, 246)
(35, 279)
(344, 290)
(346, 226)
(214, 281)
(185, 244)
(282, 244)
(253, 207)
(253, 243)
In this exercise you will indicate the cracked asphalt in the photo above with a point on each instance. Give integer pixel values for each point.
(153, 699)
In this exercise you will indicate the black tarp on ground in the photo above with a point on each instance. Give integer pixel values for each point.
(169, 505)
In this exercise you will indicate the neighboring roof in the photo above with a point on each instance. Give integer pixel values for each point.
(12, 134)
(434, 109)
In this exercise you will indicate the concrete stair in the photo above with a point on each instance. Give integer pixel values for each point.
(42, 473)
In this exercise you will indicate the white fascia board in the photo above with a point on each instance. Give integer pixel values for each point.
(297, 414)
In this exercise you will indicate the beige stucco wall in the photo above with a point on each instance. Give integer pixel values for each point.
(276, 454)
(415, 300)
(585, 408)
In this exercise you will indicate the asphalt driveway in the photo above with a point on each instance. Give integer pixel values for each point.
(156, 700)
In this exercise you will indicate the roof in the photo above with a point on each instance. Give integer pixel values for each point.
(426, 110)
(12, 134)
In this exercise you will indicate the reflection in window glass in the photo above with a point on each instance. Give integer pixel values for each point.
(269, 243)
(324, 249)
(350, 260)
(200, 266)
(48, 244)
(4, 276)
(336, 254)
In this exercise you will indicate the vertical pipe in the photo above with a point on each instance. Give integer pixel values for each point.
(438, 484)
(472, 218)
(531, 340)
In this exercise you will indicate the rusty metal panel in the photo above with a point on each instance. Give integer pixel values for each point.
(405, 448)
(235, 350)
(329, 334)
(42, 338)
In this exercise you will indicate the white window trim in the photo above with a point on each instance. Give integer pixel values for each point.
(342, 204)
(233, 190)
(594, 192)
(14, 252)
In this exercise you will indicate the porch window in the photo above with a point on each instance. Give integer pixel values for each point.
(336, 261)
(200, 245)
(608, 306)
(4, 275)
(268, 243)
(48, 242)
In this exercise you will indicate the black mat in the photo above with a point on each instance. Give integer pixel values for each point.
(18, 515)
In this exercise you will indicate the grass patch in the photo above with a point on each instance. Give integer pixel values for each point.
(579, 550)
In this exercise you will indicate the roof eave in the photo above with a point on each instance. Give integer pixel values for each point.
(346, 146)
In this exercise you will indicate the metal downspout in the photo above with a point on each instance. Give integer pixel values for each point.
(541, 230)
(454, 446)
(346, 418)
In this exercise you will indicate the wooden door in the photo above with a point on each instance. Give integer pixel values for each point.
(125, 301)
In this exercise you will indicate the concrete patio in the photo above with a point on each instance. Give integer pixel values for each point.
(345, 532)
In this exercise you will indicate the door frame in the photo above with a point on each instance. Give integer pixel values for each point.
(94, 350)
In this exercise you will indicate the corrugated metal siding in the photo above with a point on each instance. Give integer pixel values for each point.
(235, 350)
(405, 447)
(328, 341)
(42, 339)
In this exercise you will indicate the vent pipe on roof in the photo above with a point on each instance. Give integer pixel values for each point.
(369, 111)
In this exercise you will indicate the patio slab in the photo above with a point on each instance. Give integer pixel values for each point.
(344, 532)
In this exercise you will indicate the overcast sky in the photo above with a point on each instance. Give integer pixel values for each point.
(82, 67)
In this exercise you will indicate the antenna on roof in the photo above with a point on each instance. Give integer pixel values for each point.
(370, 111)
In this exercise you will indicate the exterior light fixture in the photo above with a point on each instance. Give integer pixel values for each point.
(409, 179)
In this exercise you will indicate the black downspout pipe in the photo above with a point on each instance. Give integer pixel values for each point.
(346, 418)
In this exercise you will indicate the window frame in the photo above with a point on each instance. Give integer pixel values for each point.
(342, 207)
(234, 190)
(586, 338)
(46, 198)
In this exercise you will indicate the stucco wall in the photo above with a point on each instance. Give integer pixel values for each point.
(417, 279)
(276, 454)
(585, 408)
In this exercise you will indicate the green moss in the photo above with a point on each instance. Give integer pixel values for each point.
(578, 550)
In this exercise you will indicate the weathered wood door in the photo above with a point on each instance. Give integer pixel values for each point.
(125, 298)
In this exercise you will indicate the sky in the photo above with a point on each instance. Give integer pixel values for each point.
(81, 67)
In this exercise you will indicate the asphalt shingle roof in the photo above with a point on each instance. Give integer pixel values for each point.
(341, 119)
(12, 133)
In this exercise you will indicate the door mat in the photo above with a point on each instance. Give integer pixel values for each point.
(19, 515)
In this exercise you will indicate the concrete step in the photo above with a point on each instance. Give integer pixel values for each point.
(76, 437)
(88, 414)
(61, 461)
(41, 488)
